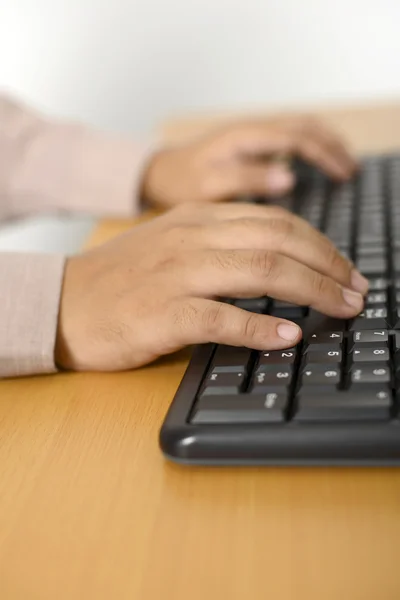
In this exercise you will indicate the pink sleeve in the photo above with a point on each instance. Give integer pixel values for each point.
(30, 295)
(51, 166)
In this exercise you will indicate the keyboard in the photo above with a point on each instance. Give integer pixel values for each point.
(334, 398)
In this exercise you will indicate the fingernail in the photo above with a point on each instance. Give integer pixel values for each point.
(279, 179)
(359, 282)
(353, 299)
(288, 331)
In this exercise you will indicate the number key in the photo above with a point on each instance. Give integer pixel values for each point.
(326, 357)
(362, 354)
(370, 338)
(277, 357)
(376, 298)
(370, 318)
(320, 374)
(377, 284)
(270, 376)
(324, 340)
(371, 374)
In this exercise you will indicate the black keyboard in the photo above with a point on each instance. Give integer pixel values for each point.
(334, 398)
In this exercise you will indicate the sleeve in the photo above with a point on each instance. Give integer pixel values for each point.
(30, 296)
(51, 166)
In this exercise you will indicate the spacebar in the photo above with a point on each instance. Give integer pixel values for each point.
(358, 404)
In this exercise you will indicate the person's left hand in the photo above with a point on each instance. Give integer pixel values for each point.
(241, 159)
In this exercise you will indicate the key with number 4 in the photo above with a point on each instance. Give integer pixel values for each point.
(324, 340)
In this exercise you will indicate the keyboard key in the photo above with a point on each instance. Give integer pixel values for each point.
(371, 318)
(273, 375)
(232, 357)
(277, 357)
(378, 354)
(397, 341)
(229, 369)
(372, 265)
(256, 305)
(374, 298)
(396, 261)
(370, 374)
(269, 407)
(325, 357)
(285, 310)
(371, 250)
(320, 374)
(324, 340)
(223, 383)
(396, 318)
(323, 324)
(372, 403)
(374, 336)
(378, 283)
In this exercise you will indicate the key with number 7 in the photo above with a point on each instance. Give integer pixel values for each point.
(368, 338)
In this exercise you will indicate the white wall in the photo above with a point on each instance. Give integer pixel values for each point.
(126, 64)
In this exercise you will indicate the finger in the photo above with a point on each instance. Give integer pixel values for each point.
(243, 179)
(288, 235)
(252, 273)
(334, 144)
(199, 321)
(263, 139)
(312, 150)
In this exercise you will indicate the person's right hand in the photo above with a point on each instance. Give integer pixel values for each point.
(155, 289)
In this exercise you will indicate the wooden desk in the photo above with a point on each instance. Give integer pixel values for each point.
(89, 509)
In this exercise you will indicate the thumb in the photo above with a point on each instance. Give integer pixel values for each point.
(270, 180)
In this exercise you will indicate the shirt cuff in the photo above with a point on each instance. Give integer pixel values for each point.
(31, 289)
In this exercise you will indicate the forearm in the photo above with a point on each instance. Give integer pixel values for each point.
(50, 166)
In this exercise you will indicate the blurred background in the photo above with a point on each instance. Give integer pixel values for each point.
(127, 65)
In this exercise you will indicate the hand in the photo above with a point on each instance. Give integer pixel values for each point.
(241, 159)
(155, 289)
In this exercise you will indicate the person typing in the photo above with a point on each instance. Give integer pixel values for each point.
(157, 288)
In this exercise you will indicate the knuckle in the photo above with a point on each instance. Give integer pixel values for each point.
(320, 285)
(282, 229)
(185, 316)
(264, 263)
(212, 319)
(245, 225)
(227, 259)
(251, 326)
(336, 262)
